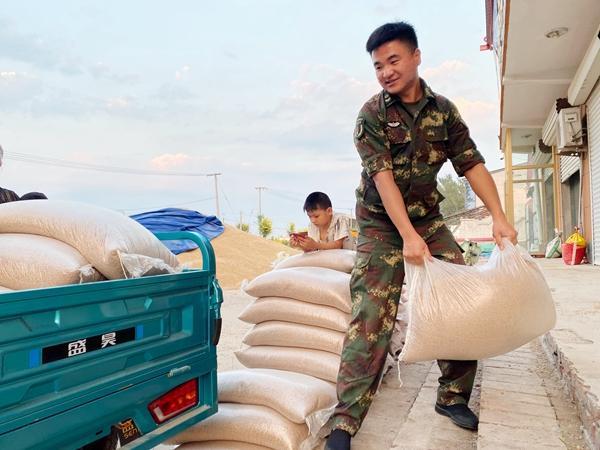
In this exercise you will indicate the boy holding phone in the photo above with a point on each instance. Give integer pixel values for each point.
(327, 230)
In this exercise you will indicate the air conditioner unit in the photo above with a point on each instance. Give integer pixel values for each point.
(570, 131)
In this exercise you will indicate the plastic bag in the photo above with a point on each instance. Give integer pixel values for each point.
(553, 249)
(474, 312)
(576, 239)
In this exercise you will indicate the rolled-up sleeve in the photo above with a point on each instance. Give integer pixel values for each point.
(462, 151)
(372, 144)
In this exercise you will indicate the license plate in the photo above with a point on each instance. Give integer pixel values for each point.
(86, 345)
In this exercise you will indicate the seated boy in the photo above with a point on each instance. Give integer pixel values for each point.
(327, 230)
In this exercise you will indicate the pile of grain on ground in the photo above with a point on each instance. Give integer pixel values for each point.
(240, 256)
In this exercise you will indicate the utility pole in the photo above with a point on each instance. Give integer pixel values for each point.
(215, 175)
(260, 189)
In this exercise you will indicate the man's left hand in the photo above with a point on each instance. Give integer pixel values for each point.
(503, 229)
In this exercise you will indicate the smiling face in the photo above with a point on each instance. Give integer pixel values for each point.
(396, 66)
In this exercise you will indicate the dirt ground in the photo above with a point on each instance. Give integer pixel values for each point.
(240, 256)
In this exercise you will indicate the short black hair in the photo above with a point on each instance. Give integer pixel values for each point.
(34, 196)
(400, 31)
(317, 200)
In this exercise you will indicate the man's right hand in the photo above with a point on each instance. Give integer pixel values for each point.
(415, 249)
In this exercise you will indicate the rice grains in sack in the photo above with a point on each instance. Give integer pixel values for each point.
(338, 259)
(317, 363)
(286, 334)
(107, 239)
(293, 395)
(289, 310)
(252, 424)
(221, 445)
(310, 284)
(469, 313)
(28, 261)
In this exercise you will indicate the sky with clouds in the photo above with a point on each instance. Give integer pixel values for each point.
(265, 92)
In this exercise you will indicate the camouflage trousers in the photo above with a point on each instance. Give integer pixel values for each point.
(375, 286)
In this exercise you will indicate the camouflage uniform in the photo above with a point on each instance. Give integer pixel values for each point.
(387, 137)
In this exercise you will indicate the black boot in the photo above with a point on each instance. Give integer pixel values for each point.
(338, 440)
(460, 414)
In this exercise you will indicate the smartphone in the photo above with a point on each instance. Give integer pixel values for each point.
(299, 234)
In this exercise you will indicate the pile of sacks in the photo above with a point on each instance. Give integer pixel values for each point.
(52, 243)
(292, 355)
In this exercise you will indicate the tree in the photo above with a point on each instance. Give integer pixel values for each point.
(244, 227)
(455, 193)
(291, 228)
(265, 226)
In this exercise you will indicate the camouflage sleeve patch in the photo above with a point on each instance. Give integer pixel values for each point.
(372, 143)
(462, 151)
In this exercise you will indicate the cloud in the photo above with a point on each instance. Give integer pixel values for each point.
(170, 161)
(446, 69)
(182, 73)
(46, 54)
(101, 70)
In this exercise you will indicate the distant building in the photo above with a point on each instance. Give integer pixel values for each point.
(548, 59)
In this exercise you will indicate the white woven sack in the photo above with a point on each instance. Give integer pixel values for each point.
(293, 395)
(338, 259)
(309, 284)
(317, 363)
(474, 312)
(107, 239)
(28, 261)
(289, 310)
(286, 334)
(252, 424)
(4, 290)
(221, 445)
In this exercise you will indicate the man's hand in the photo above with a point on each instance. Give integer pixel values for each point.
(503, 229)
(415, 250)
(307, 244)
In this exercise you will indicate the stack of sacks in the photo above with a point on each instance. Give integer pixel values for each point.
(301, 315)
(292, 359)
(260, 409)
(52, 243)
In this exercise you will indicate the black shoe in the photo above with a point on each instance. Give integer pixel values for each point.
(460, 414)
(338, 440)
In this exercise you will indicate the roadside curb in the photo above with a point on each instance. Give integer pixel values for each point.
(587, 403)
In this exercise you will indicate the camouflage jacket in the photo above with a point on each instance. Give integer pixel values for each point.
(387, 139)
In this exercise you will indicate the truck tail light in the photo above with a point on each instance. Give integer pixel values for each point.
(174, 402)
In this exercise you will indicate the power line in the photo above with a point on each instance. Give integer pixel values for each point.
(32, 159)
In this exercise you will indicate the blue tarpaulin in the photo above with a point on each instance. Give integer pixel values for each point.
(175, 219)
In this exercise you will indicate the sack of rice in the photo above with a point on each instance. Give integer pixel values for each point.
(286, 334)
(252, 424)
(221, 445)
(289, 310)
(28, 261)
(293, 395)
(475, 312)
(317, 363)
(104, 237)
(310, 284)
(339, 259)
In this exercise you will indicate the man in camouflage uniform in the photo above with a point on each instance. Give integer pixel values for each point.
(403, 135)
